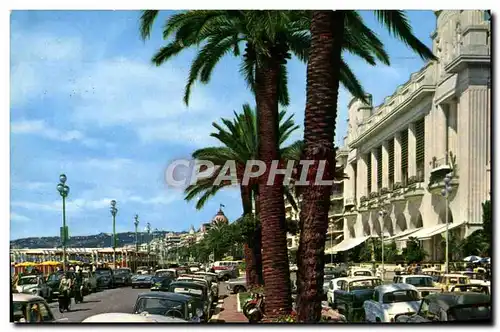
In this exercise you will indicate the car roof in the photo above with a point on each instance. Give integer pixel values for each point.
(415, 276)
(359, 278)
(389, 288)
(166, 295)
(448, 300)
(453, 275)
(117, 317)
(20, 297)
(187, 283)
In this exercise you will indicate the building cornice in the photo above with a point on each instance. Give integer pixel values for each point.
(462, 61)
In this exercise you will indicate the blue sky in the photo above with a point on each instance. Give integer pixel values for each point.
(86, 101)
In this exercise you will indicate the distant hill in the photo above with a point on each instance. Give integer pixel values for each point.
(88, 241)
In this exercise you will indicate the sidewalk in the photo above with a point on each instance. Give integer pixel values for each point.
(229, 312)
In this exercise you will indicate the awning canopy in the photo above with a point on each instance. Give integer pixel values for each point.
(403, 233)
(428, 232)
(376, 236)
(348, 244)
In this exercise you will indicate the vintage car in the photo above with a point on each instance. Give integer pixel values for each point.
(433, 273)
(89, 281)
(142, 281)
(360, 272)
(34, 285)
(423, 283)
(199, 280)
(170, 305)
(476, 277)
(333, 285)
(122, 277)
(446, 281)
(351, 295)
(118, 317)
(31, 309)
(212, 280)
(476, 288)
(162, 285)
(143, 270)
(448, 306)
(198, 291)
(390, 301)
(238, 285)
(104, 277)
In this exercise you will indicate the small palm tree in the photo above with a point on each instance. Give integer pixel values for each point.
(328, 36)
(240, 139)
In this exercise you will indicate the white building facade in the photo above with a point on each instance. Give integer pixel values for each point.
(435, 124)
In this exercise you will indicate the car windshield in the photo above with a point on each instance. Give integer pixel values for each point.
(121, 271)
(54, 277)
(195, 292)
(420, 281)
(455, 280)
(157, 306)
(401, 296)
(160, 274)
(362, 273)
(470, 313)
(364, 284)
(103, 272)
(28, 281)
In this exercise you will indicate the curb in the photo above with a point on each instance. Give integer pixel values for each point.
(238, 307)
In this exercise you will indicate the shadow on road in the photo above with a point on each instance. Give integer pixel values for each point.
(93, 301)
(81, 309)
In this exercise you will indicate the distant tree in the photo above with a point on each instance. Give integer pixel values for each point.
(414, 253)
(487, 227)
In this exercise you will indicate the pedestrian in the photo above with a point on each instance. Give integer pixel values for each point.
(397, 270)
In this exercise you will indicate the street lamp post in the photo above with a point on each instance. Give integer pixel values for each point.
(114, 210)
(382, 213)
(148, 230)
(136, 224)
(63, 190)
(446, 191)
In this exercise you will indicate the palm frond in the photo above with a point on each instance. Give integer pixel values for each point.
(350, 82)
(146, 22)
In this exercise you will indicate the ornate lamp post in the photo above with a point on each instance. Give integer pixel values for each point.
(114, 211)
(446, 191)
(136, 224)
(382, 213)
(63, 190)
(148, 230)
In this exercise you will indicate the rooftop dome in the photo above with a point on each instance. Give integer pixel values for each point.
(220, 218)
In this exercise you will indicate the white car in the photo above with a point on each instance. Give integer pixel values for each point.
(117, 317)
(390, 301)
(360, 272)
(31, 309)
(423, 283)
(34, 285)
(333, 285)
(476, 278)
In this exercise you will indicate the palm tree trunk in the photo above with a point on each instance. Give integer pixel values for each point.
(272, 206)
(319, 127)
(251, 261)
(257, 248)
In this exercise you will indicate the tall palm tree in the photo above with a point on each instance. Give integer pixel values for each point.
(323, 78)
(241, 140)
(269, 38)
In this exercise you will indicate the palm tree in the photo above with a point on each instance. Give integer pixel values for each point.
(241, 140)
(269, 38)
(323, 78)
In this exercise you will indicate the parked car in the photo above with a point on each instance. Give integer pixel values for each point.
(31, 309)
(143, 270)
(104, 277)
(118, 317)
(162, 285)
(236, 286)
(476, 277)
(89, 281)
(475, 288)
(225, 273)
(122, 277)
(333, 285)
(423, 283)
(351, 295)
(456, 307)
(196, 290)
(446, 281)
(390, 301)
(34, 285)
(212, 280)
(432, 272)
(53, 281)
(142, 281)
(170, 305)
(360, 272)
(198, 280)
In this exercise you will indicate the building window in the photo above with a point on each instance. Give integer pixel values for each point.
(390, 150)
(368, 159)
(378, 155)
(420, 148)
(404, 157)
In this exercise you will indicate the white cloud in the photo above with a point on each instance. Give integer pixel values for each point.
(18, 217)
(41, 128)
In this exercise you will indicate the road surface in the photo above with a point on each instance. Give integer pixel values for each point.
(105, 301)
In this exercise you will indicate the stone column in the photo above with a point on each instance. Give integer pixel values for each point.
(397, 158)
(361, 175)
(452, 128)
(385, 164)
(429, 146)
(349, 184)
(440, 133)
(373, 156)
(412, 148)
